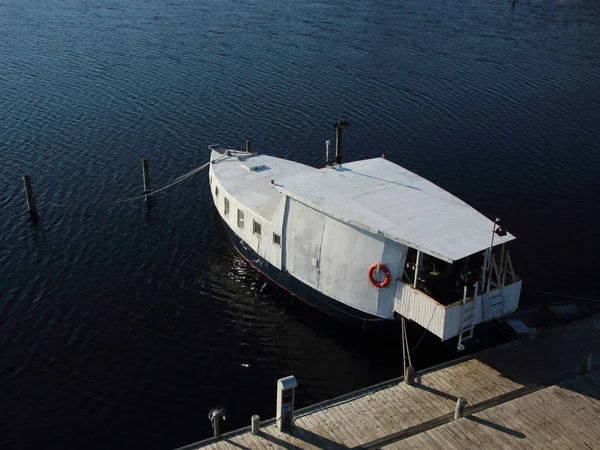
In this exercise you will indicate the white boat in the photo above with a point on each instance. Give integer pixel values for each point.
(368, 241)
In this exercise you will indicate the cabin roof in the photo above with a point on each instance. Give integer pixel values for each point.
(383, 198)
(248, 178)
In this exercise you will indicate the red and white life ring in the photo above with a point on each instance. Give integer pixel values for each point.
(379, 284)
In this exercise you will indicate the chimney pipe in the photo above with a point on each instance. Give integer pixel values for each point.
(338, 141)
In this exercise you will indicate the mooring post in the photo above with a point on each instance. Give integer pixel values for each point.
(409, 375)
(29, 195)
(248, 146)
(255, 423)
(586, 365)
(461, 403)
(338, 141)
(146, 172)
(214, 416)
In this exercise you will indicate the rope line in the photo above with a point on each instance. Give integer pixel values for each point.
(403, 348)
(406, 343)
(424, 332)
(139, 197)
(565, 295)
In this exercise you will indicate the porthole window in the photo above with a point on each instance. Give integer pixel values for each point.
(226, 209)
(217, 191)
(240, 219)
(276, 239)
(256, 228)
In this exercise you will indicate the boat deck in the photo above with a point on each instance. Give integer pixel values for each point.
(525, 394)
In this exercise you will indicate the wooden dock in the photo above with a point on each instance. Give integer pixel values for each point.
(530, 393)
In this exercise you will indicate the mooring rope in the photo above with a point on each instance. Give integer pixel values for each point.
(556, 294)
(403, 348)
(177, 180)
(424, 332)
(406, 343)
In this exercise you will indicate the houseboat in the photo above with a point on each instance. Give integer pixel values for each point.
(367, 241)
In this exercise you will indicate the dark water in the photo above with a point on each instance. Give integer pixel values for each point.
(120, 327)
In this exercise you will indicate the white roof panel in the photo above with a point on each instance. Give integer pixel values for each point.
(381, 197)
(248, 179)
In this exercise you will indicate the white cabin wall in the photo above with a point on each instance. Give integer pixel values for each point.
(263, 244)
(267, 248)
(302, 238)
(335, 258)
(394, 258)
(346, 255)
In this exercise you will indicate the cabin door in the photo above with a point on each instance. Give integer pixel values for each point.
(302, 238)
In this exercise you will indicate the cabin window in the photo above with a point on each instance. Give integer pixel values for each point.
(226, 210)
(276, 239)
(240, 219)
(217, 191)
(256, 228)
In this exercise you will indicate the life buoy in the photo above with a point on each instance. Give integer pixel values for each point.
(386, 272)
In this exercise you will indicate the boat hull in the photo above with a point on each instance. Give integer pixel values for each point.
(309, 295)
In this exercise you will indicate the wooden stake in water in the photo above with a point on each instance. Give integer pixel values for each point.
(586, 366)
(146, 171)
(29, 195)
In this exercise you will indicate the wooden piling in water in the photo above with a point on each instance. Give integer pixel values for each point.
(29, 195)
(146, 174)
(586, 365)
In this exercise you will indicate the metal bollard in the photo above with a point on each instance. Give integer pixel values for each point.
(409, 375)
(255, 424)
(459, 412)
(214, 416)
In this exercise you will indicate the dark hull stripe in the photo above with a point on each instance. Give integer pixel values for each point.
(308, 294)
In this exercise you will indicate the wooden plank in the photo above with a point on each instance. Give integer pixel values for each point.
(321, 437)
(491, 427)
(449, 432)
(333, 424)
(441, 441)
(308, 441)
(251, 441)
(355, 439)
(221, 445)
(237, 442)
(425, 441)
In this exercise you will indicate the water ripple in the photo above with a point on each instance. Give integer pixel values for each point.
(123, 322)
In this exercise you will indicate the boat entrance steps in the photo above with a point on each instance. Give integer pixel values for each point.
(467, 322)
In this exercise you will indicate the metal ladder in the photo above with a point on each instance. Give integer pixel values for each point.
(467, 320)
